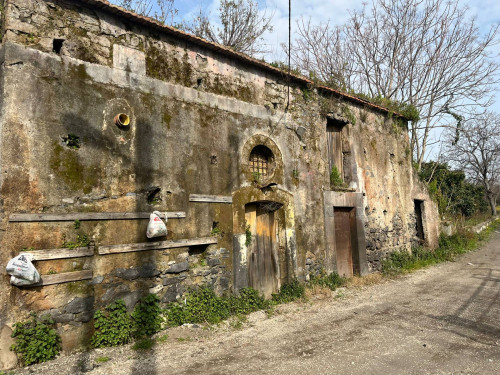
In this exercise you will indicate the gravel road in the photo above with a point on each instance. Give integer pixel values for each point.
(441, 320)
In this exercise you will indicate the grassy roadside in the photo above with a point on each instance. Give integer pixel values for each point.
(449, 248)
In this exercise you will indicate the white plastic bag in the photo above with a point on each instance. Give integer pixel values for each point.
(17, 281)
(20, 267)
(156, 226)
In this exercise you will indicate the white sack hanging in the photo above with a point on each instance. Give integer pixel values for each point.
(21, 269)
(156, 226)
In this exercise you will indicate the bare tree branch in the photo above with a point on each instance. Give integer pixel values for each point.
(164, 11)
(427, 53)
(477, 152)
(240, 26)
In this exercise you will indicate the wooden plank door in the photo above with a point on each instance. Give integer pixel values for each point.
(263, 268)
(334, 146)
(345, 220)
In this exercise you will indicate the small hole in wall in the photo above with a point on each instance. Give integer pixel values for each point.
(196, 250)
(213, 160)
(199, 81)
(57, 45)
(154, 195)
(72, 141)
(275, 105)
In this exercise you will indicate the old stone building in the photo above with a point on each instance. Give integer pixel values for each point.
(107, 116)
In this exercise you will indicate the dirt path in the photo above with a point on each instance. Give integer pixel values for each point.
(442, 320)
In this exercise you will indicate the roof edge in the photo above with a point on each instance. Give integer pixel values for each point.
(150, 22)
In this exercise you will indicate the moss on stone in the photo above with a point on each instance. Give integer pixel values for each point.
(66, 165)
(157, 64)
(79, 287)
(167, 118)
(186, 70)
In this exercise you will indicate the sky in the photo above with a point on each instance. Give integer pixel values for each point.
(336, 12)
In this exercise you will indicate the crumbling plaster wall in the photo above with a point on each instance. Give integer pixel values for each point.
(192, 112)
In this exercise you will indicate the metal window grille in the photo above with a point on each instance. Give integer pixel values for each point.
(261, 161)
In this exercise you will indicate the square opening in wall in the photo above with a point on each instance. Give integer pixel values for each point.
(57, 45)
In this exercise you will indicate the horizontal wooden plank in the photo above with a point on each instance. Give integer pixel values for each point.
(210, 198)
(49, 254)
(159, 245)
(65, 277)
(82, 216)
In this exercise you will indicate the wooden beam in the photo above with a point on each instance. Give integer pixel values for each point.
(210, 198)
(64, 277)
(49, 254)
(126, 248)
(83, 216)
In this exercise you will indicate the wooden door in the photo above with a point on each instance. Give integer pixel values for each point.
(263, 266)
(345, 220)
(334, 145)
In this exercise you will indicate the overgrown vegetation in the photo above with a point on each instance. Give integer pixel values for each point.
(335, 178)
(451, 191)
(256, 177)
(248, 235)
(202, 305)
(289, 292)
(36, 340)
(113, 326)
(449, 248)
(147, 316)
(331, 281)
(82, 240)
(144, 344)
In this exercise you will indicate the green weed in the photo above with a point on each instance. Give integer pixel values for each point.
(113, 326)
(162, 338)
(335, 178)
(82, 240)
(143, 344)
(289, 292)
(147, 316)
(36, 341)
(331, 281)
(449, 247)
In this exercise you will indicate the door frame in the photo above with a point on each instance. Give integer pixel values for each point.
(354, 200)
(251, 194)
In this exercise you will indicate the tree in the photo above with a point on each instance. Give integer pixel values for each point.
(451, 190)
(477, 151)
(239, 26)
(427, 53)
(164, 11)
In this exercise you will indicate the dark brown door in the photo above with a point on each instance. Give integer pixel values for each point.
(345, 219)
(263, 268)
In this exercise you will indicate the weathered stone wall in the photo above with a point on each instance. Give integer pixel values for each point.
(68, 69)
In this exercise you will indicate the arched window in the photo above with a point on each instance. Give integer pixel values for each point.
(261, 160)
